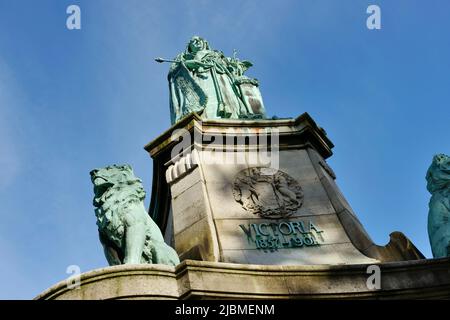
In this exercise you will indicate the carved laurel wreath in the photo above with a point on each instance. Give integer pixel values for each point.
(270, 193)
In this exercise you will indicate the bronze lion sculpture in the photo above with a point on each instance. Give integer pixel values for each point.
(127, 233)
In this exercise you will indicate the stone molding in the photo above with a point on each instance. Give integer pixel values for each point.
(182, 167)
(424, 279)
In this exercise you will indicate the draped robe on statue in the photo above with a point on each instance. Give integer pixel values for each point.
(204, 82)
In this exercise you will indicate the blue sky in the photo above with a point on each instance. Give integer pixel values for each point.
(73, 100)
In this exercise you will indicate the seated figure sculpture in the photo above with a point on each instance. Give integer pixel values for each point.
(205, 81)
(127, 233)
(438, 184)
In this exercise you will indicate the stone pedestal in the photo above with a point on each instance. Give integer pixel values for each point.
(223, 199)
(277, 229)
(424, 279)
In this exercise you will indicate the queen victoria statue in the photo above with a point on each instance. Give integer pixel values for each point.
(205, 81)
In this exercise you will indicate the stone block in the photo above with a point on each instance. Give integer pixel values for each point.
(200, 236)
(186, 182)
(420, 279)
(297, 164)
(189, 207)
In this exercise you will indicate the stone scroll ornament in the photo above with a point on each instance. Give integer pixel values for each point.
(438, 184)
(270, 193)
(205, 81)
(127, 233)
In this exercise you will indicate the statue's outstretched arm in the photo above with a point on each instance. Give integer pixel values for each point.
(196, 64)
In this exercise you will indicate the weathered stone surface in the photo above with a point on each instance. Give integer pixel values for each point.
(298, 164)
(421, 279)
(231, 232)
(223, 194)
(198, 241)
(190, 206)
(299, 186)
(332, 254)
(188, 181)
(328, 182)
(120, 282)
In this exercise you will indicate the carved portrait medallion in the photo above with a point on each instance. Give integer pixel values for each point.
(268, 192)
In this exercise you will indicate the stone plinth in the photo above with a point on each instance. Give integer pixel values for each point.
(224, 202)
(424, 279)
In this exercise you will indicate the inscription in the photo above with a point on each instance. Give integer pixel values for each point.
(272, 236)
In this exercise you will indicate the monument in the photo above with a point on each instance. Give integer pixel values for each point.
(127, 233)
(204, 80)
(250, 205)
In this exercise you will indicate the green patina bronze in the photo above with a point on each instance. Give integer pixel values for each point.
(271, 236)
(127, 233)
(205, 81)
(438, 184)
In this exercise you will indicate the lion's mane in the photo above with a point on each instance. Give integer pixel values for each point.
(438, 175)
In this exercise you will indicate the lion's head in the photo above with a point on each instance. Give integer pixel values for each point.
(438, 174)
(115, 178)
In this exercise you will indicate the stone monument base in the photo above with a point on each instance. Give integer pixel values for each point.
(419, 279)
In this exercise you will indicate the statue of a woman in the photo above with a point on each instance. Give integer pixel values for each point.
(207, 82)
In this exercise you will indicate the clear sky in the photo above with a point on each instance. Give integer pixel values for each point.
(73, 100)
